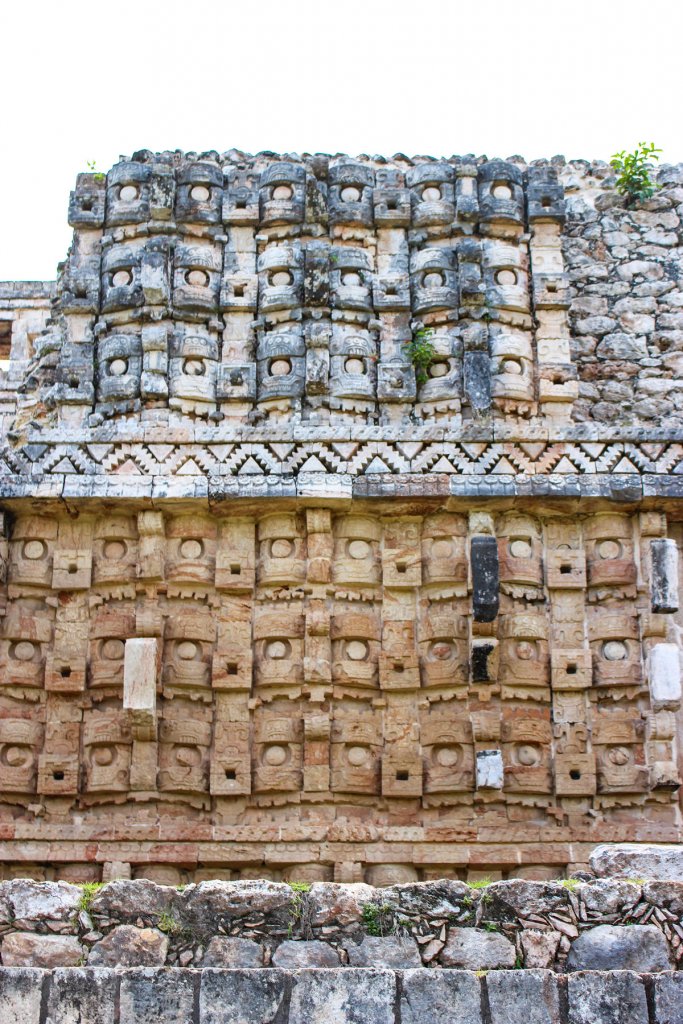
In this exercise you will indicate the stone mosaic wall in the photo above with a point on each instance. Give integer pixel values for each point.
(276, 602)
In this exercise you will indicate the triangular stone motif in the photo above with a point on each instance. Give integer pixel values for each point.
(377, 466)
(250, 466)
(443, 465)
(128, 468)
(313, 465)
(161, 451)
(189, 468)
(565, 466)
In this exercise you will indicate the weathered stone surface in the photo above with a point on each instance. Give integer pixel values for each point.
(606, 998)
(384, 951)
(518, 897)
(523, 997)
(20, 995)
(29, 902)
(161, 996)
(449, 997)
(609, 896)
(242, 997)
(668, 998)
(291, 955)
(128, 946)
(638, 860)
(433, 899)
(618, 947)
(228, 951)
(215, 900)
(132, 898)
(477, 950)
(330, 902)
(344, 995)
(28, 949)
(539, 948)
(85, 995)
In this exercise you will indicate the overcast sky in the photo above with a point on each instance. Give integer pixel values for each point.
(88, 80)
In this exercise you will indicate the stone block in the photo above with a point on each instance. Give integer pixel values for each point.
(490, 770)
(128, 946)
(614, 997)
(231, 951)
(668, 998)
(539, 948)
(36, 902)
(83, 994)
(162, 996)
(665, 676)
(394, 951)
(29, 949)
(20, 994)
(449, 997)
(344, 995)
(638, 860)
(664, 555)
(329, 902)
(523, 997)
(126, 899)
(620, 947)
(292, 954)
(476, 950)
(242, 997)
(485, 577)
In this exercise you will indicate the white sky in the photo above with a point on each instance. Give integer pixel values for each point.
(91, 79)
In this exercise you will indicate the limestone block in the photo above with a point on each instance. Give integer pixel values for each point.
(490, 770)
(344, 995)
(638, 860)
(28, 949)
(20, 995)
(607, 947)
(126, 899)
(211, 902)
(127, 946)
(241, 997)
(664, 556)
(450, 997)
(36, 902)
(330, 902)
(665, 676)
(290, 955)
(612, 997)
(151, 996)
(523, 997)
(476, 950)
(668, 998)
(395, 951)
(140, 682)
(539, 948)
(83, 994)
(231, 951)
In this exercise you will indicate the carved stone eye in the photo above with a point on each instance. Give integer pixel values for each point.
(526, 650)
(24, 650)
(358, 756)
(442, 548)
(608, 549)
(619, 755)
(281, 278)
(194, 367)
(528, 755)
(438, 370)
(354, 365)
(358, 549)
(103, 756)
(356, 650)
(281, 548)
(431, 194)
(280, 367)
(614, 650)
(197, 278)
(506, 277)
(432, 280)
(279, 650)
(121, 278)
(441, 650)
(16, 757)
(350, 194)
(115, 549)
(188, 757)
(501, 191)
(275, 755)
(187, 650)
(447, 756)
(282, 192)
(128, 193)
(200, 194)
(191, 548)
(520, 547)
(34, 549)
(113, 650)
(512, 366)
(118, 367)
(351, 279)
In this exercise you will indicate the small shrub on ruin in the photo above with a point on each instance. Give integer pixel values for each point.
(634, 169)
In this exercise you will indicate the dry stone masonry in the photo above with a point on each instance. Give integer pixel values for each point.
(340, 524)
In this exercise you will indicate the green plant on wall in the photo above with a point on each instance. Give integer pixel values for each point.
(634, 172)
(92, 167)
(420, 352)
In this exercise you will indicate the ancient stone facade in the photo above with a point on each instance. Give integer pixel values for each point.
(282, 601)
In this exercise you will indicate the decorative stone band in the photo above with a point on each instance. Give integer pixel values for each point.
(351, 996)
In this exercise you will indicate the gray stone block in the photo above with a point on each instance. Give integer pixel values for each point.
(85, 995)
(638, 860)
(128, 946)
(449, 997)
(477, 950)
(387, 951)
(242, 997)
(157, 996)
(620, 947)
(343, 996)
(229, 951)
(20, 994)
(29, 949)
(614, 997)
(292, 954)
(668, 998)
(523, 997)
(664, 552)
